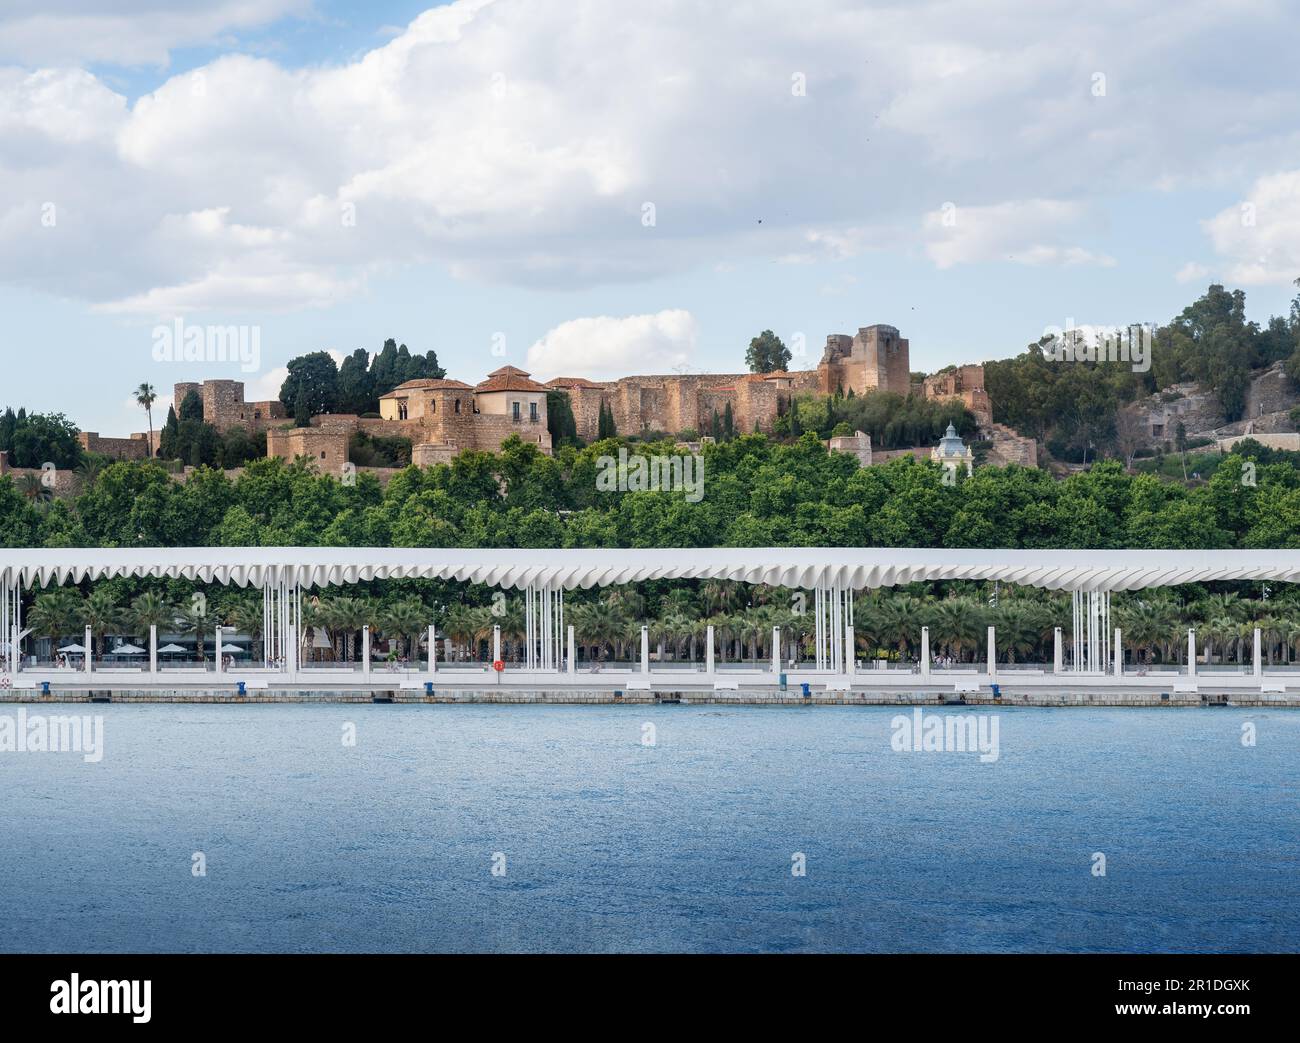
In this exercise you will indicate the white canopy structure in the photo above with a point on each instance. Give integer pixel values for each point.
(543, 574)
(855, 568)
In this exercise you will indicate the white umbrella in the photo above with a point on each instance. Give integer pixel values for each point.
(171, 648)
(126, 650)
(231, 648)
(73, 648)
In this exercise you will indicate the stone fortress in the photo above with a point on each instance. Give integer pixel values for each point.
(443, 417)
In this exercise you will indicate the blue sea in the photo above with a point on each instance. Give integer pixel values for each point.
(601, 841)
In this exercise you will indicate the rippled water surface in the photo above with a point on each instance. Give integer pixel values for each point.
(687, 844)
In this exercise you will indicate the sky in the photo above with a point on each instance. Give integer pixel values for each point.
(598, 189)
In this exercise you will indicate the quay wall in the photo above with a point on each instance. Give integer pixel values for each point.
(1236, 698)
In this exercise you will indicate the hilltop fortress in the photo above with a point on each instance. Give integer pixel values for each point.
(443, 417)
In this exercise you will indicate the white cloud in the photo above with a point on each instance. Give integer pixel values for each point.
(609, 347)
(511, 141)
(133, 32)
(1260, 237)
(1012, 231)
(1192, 272)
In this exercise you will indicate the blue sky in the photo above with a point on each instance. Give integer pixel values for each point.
(334, 174)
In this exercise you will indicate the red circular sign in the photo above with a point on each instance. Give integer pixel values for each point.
(498, 666)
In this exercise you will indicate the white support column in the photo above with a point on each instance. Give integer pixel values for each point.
(837, 632)
(365, 652)
(925, 651)
(11, 626)
(993, 652)
(708, 649)
(219, 656)
(153, 649)
(1191, 652)
(776, 650)
(1076, 647)
(1257, 668)
(819, 636)
(573, 652)
(6, 625)
(530, 630)
(850, 650)
(89, 646)
(1058, 653)
(433, 649)
(1119, 653)
(645, 650)
(496, 642)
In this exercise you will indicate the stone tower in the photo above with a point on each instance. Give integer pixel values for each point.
(876, 359)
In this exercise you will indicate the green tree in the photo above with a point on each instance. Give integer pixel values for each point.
(55, 614)
(100, 612)
(767, 354)
(605, 423)
(145, 397)
(312, 385)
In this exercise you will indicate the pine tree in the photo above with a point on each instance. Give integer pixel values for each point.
(605, 427)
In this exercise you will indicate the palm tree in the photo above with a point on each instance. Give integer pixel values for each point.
(349, 615)
(720, 596)
(89, 470)
(724, 630)
(1222, 629)
(1147, 624)
(1017, 629)
(514, 627)
(679, 602)
(467, 625)
(957, 624)
(55, 614)
(406, 619)
(34, 490)
(145, 397)
(195, 619)
(898, 621)
(150, 609)
(600, 624)
(800, 627)
(243, 612)
(679, 628)
(101, 614)
(317, 615)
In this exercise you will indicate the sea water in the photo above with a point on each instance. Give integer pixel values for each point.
(374, 828)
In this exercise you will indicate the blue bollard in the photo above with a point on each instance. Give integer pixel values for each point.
(242, 689)
(45, 688)
(807, 689)
(997, 691)
(428, 687)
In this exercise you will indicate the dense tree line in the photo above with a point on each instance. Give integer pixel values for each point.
(893, 421)
(757, 492)
(316, 384)
(35, 439)
(1073, 407)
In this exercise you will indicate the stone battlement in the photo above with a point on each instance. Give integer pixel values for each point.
(445, 416)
